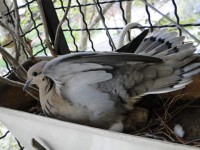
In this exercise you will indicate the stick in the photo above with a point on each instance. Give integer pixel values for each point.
(60, 25)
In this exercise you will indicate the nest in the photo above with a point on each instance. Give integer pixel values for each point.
(156, 116)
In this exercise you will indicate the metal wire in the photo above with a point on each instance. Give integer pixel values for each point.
(176, 15)
(70, 29)
(83, 17)
(149, 17)
(4, 135)
(12, 22)
(99, 9)
(124, 18)
(37, 31)
(153, 26)
(92, 4)
(21, 148)
(18, 143)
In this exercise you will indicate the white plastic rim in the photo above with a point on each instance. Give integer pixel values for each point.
(59, 135)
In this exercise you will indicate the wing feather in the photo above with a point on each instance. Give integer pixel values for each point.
(87, 61)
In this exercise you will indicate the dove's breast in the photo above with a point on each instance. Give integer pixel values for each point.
(53, 105)
(97, 112)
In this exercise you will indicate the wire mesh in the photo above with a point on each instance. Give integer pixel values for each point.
(93, 25)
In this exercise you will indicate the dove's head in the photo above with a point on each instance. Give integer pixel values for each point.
(35, 75)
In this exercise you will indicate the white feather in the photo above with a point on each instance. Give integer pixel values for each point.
(85, 78)
(178, 130)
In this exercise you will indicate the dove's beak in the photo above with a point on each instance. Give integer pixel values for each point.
(27, 84)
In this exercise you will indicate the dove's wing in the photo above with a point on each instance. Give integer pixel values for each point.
(76, 74)
(91, 61)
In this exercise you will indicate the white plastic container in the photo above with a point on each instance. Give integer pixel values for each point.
(59, 135)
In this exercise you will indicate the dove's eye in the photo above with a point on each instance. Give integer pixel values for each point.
(34, 74)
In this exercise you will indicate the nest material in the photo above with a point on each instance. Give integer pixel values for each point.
(162, 113)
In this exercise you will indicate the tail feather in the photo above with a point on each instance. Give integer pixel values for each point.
(169, 36)
(191, 73)
(191, 67)
(177, 70)
(182, 83)
(157, 38)
(180, 55)
(177, 41)
(163, 90)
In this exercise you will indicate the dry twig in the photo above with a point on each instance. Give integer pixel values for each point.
(17, 29)
(19, 84)
(169, 129)
(60, 25)
(17, 37)
(47, 40)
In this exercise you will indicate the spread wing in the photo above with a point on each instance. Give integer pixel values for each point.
(91, 61)
(75, 73)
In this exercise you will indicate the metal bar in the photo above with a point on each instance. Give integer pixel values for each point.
(52, 22)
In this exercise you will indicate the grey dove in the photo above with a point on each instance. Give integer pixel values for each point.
(98, 88)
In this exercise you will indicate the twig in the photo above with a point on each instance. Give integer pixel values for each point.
(155, 136)
(192, 141)
(168, 128)
(18, 84)
(16, 37)
(46, 33)
(6, 55)
(11, 25)
(17, 29)
(60, 25)
(181, 108)
(174, 99)
(20, 70)
(30, 24)
(97, 19)
(167, 135)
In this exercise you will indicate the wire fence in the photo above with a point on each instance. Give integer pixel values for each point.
(34, 25)
(93, 23)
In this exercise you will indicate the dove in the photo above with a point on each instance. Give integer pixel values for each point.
(98, 89)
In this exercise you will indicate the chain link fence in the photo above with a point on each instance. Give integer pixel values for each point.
(90, 25)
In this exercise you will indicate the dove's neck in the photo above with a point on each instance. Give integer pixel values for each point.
(46, 91)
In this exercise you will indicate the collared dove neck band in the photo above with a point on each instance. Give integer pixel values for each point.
(98, 88)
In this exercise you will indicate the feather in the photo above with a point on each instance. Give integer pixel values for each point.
(191, 67)
(90, 77)
(92, 60)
